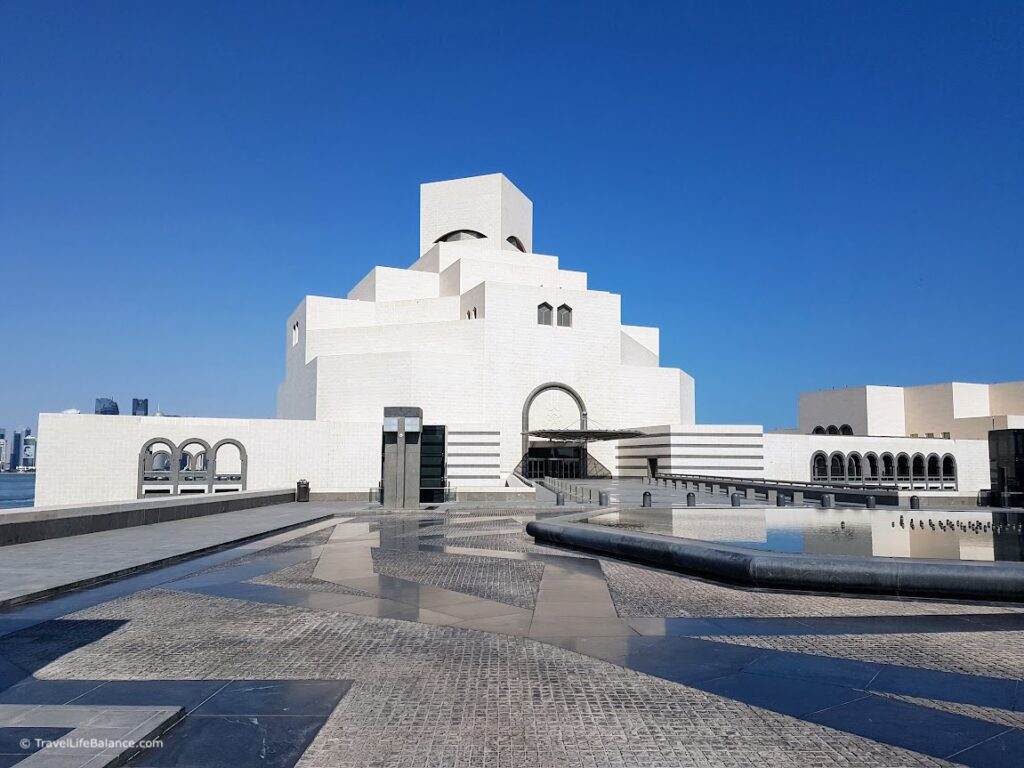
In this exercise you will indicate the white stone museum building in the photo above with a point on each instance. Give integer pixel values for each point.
(521, 370)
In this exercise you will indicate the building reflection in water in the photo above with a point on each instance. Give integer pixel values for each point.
(859, 532)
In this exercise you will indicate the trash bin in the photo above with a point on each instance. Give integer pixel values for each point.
(302, 490)
(646, 499)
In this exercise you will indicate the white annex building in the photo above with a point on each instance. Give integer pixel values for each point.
(521, 370)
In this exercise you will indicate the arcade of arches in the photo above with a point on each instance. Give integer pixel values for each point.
(906, 470)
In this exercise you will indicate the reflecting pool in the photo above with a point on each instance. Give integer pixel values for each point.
(861, 532)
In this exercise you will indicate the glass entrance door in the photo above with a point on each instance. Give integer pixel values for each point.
(562, 462)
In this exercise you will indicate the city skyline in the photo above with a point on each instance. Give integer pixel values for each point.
(870, 210)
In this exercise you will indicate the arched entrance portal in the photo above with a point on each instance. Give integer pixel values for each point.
(554, 459)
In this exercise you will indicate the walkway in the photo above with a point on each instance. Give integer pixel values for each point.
(39, 568)
(449, 638)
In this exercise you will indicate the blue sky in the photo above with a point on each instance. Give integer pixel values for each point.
(801, 195)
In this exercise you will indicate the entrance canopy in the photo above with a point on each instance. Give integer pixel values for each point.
(585, 435)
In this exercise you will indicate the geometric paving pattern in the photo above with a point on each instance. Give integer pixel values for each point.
(447, 637)
(514, 582)
(641, 591)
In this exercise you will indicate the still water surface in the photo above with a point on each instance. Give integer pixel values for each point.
(859, 532)
(17, 489)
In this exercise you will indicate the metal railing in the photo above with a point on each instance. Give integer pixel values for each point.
(583, 494)
(770, 489)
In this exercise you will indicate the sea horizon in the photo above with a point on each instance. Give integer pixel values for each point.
(17, 490)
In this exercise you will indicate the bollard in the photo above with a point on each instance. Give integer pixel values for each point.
(691, 499)
(780, 500)
(828, 500)
(915, 502)
(559, 499)
(872, 503)
(751, 493)
(602, 499)
(736, 499)
(647, 499)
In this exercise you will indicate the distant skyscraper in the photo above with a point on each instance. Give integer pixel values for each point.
(3, 450)
(14, 453)
(105, 406)
(28, 451)
(140, 407)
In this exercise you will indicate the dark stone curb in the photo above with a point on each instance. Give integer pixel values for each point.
(21, 526)
(753, 568)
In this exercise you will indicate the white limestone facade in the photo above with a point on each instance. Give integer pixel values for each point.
(470, 330)
(731, 450)
(953, 409)
(332, 456)
(495, 342)
(474, 331)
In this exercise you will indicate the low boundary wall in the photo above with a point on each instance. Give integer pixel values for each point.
(896, 576)
(19, 526)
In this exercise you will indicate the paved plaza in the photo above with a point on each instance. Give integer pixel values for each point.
(447, 637)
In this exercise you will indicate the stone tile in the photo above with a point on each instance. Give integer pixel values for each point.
(300, 576)
(441, 672)
(997, 715)
(1002, 750)
(640, 591)
(988, 654)
(233, 742)
(921, 729)
(313, 698)
(151, 693)
(513, 582)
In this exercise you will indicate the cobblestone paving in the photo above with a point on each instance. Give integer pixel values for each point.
(988, 654)
(301, 577)
(497, 524)
(639, 591)
(516, 541)
(439, 696)
(502, 542)
(513, 582)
